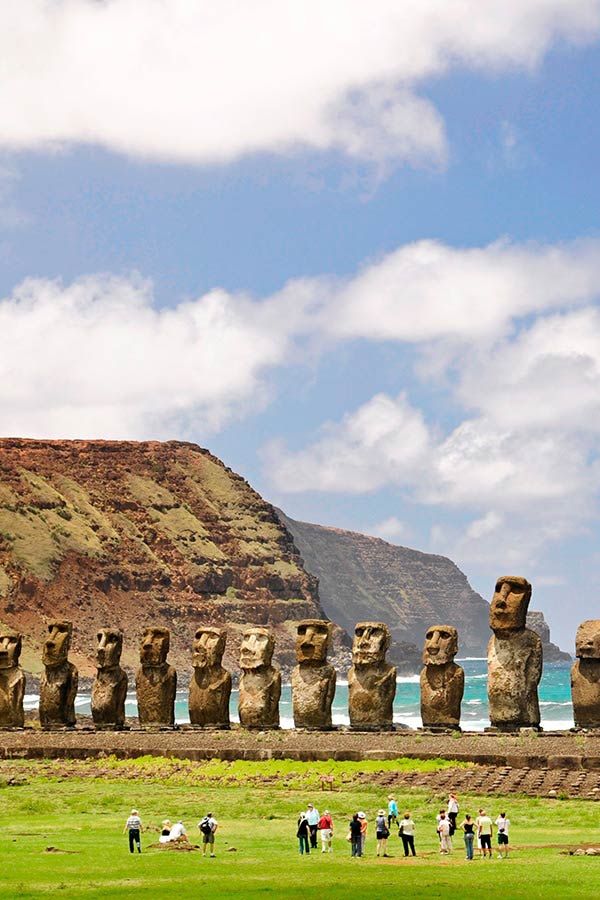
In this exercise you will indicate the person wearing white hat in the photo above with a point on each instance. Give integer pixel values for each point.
(326, 832)
(363, 831)
(133, 826)
(382, 833)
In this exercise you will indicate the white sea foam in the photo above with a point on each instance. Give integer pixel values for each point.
(408, 679)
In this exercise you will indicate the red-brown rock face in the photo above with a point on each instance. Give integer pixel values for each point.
(132, 534)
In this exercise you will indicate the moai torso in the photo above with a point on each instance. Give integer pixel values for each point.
(514, 658)
(313, 681)
(155, 680)
(260, 682)
(585, 675)
(12, 682)
(442, 681)
(210, 687)
(59, 680)
(371, 681)
(110, 685)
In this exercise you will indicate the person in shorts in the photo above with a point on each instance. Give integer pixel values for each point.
(326, 832)
(502, 824)
(208, 827)
(484, 830)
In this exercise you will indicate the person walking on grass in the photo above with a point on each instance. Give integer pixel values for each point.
(134, 827)
(326, 832)
(468, 827)
(452, 811)
(312, 817)
(484, 830)
(354, 833)
(502, 824)
(382, 833)
(444, 833)
(407, 832)
(392, 811)
(302, 833)
(208, 826)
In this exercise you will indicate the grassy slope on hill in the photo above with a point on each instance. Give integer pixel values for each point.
(85, 816)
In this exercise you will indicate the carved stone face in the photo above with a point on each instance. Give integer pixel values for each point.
(312, 641)
(587, 641)
(257, 648)
(57, 644)
(508, 611)
(110, 645)
(209, 646)
(10, 650)
(154, 646)
(371, 641)
(441, 645)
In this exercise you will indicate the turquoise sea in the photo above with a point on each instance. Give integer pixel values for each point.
(554, 693)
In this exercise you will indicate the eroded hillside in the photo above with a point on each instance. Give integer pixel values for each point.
(130, 534)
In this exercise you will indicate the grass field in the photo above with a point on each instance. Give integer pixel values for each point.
(76, 809)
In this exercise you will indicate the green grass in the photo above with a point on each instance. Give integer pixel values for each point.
(81, 807)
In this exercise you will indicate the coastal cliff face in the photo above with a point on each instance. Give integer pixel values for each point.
(364, 577)
(552, 653)
(132, 534)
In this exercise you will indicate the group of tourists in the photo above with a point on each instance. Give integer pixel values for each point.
(172, 833)
(477, 833)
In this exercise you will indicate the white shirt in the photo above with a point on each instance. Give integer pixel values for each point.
(503, 823)
(177, 831)
(452, 805)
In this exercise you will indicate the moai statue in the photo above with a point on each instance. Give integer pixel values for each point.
(12, 681)
(442, 681)
(371, 680)
(155, 680)
(210, 687)
(58, 683)
(313, 681)
(514, 658)
(260, 683)
(585, 675)
(110, 685)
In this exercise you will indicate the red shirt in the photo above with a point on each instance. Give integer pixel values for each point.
(325, 822)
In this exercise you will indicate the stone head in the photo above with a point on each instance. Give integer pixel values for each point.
(508, 611)
(209, 646)
(257, 648)
(110, 645)
(10, 649)
(155, 646)
(441, 645)
(312, 641)
(587, 640)
(57, 643)
(371, 641)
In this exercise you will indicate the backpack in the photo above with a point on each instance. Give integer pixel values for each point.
(205, 826)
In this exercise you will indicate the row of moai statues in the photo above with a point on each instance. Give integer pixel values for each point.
(514, 672)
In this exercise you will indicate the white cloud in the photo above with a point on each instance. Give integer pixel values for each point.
(96, 358)
(191, 80)
(391, 529)
(383, 441)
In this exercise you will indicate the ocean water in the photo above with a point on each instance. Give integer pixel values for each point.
(554, 693)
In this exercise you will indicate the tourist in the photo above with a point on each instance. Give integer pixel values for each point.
(312, 816)
(363, 831)
(485, 829)
(302, 833)
(392, 811)
(326, 832)
(468, 827)
(165, 832)
(178, 832)
(502, 824)
(478, 836)
(444, 833)
(134, 827)
(208, 827)
(382, 833)
(438, 819)
(407, 833)
(452, 811)
(355, 836)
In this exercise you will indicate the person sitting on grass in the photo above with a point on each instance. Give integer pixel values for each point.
(165, 832)
(208, 827)
(178, 832)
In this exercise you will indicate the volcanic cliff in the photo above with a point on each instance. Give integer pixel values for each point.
(131, 534)
(363, 577)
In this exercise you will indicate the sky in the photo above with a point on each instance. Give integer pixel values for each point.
(351, 248)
